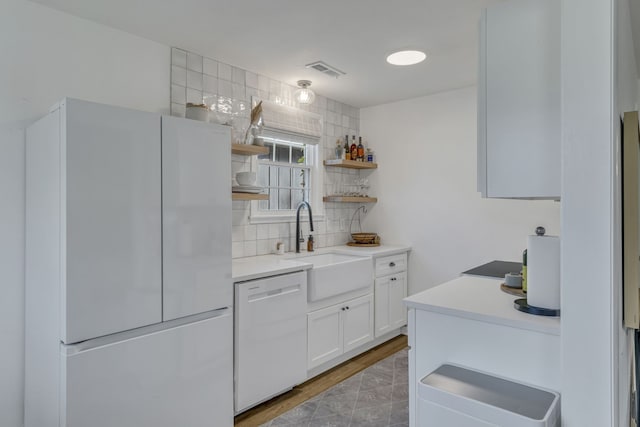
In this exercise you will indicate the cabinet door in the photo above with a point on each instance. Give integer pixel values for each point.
(382, 319)
(325, 335)
(196, 221)
(358, 322)
(519, 100)
(111, 220)
(397, 292)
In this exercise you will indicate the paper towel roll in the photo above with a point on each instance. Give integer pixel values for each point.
(543, 271)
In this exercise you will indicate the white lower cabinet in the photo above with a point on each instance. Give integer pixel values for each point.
(338, 329)
(390, 311)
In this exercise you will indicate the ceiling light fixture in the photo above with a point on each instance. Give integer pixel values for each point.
(304, 95)
(406, 57)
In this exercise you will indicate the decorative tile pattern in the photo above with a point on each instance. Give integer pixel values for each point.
(375, 397)
(196, 79)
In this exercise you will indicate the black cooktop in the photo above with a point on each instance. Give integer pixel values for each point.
(495, 269)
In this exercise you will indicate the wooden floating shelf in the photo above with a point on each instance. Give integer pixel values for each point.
(349, 199)
(249, 196)
(350, 164)
(248, 149)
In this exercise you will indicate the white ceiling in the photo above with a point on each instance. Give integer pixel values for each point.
(277, 38)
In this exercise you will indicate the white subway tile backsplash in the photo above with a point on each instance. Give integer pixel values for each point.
(238, 75)
(193, 76)
(178, 75)
(238, 91)
(251, 80)
(194, 62)
(250, 232)
(194, 96)
(225, 88)
(194, 80)
(274, 231)
(177, 110)
(250, 248)
(237, 233)
(210, 84)
(263, 84)
(178, 94)
(263, 247)
(210, 67)
(237, 249)
(263, 231)
(178, 57)
(224, 71)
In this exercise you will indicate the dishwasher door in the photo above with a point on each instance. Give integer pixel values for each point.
(270, 337)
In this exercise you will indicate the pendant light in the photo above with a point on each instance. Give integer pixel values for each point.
(304, 95)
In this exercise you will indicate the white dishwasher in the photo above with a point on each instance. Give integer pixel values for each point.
(270, 337)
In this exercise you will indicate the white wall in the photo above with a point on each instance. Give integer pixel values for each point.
(47, 55)
(626, 100)
(590, 297)
(426, 149)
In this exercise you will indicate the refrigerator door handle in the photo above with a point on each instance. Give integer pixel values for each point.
(91, 344)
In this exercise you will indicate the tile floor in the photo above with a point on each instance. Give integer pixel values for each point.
(375, 397)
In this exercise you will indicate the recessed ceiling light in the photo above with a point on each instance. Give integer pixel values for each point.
(406, 57)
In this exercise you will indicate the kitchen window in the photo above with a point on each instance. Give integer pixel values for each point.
(290, 172)
(286, 174)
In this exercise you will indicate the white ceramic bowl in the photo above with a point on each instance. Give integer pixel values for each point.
(246, 178)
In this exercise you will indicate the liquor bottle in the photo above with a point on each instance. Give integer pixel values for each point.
(354, 148)
(360, 150)
(338, 150)
(347, 150)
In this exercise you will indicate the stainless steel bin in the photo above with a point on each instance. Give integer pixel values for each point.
(461, 397)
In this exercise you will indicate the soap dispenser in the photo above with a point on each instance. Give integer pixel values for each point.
(310, 243)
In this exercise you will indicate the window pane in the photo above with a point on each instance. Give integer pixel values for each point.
(284, 177)
(296, 198)
(273, 177)
(273, 199)
(282, 153)
(297, 154)
(284, 199)
(263, 175)
(267, 156)
(298, 178)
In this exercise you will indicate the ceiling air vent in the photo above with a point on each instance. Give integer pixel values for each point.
(325, 68)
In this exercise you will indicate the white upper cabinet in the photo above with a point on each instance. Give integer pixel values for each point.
(519, 100)
(196, 217)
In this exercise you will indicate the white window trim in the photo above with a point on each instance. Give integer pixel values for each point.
(256, 216)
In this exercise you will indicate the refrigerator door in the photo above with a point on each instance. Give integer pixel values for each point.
(196, 221)
(111, 225)
(181, 376)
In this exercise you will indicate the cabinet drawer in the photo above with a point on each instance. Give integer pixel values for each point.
(391, 264)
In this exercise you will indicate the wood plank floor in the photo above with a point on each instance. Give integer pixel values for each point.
(281, 404)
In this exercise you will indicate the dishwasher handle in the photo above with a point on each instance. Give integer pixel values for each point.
(274, 293)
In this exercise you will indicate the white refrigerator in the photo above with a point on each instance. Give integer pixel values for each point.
(128, 270)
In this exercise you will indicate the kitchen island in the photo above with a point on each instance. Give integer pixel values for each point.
(470, 322)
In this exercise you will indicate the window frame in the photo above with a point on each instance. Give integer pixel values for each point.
(313, 153)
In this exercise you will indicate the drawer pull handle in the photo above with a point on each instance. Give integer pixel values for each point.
(347, 307)
(343, 309)
(392, 264)
(393, 279)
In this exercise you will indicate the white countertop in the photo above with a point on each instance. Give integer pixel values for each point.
(250, 268)
(480, 299)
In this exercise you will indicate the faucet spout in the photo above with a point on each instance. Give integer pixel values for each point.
(298, 231)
